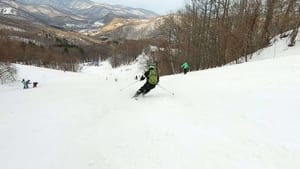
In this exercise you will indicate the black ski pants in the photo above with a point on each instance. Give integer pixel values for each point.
(146, 88)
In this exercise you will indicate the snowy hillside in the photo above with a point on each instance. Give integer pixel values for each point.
(243, 116)
(72, 14)
(92, 10)
(132, 28)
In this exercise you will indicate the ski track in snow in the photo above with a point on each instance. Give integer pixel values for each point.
(242, 116)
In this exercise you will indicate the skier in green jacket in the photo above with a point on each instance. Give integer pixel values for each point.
(185, 67)
(152, 79)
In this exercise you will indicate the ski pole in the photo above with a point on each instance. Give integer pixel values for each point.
(166, 90)
(128, 85)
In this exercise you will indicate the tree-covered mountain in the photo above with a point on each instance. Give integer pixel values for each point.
(71, 14)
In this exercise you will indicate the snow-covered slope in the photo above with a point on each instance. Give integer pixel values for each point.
(242, 116)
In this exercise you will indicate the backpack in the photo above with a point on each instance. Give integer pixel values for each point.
(153, 77)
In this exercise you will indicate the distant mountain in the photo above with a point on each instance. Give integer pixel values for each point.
(133, 29)
(76, 14)
(85, 16)
(68, 5)
(41, 14)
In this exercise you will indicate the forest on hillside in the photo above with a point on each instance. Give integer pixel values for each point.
(211, 33)
(46, 49)
(205, 33)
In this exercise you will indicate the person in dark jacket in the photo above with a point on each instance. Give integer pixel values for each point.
(152, 80)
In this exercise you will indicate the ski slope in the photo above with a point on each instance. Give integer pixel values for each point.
(244, 116)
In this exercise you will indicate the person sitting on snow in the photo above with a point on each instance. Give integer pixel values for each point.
(34, 84)
(152, 80)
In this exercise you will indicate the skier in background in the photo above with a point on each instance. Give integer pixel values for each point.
(185, 67)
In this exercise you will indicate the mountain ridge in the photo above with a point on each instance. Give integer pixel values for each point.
(82, 7)
(73, 14)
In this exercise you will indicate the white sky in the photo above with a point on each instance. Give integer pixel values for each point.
(158, 6)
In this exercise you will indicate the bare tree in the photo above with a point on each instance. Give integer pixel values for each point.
(296, 18)
(7, 72)
(170, 29)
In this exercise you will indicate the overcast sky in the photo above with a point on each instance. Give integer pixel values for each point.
(159, 6)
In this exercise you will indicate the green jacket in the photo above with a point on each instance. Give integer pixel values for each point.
(185, 65)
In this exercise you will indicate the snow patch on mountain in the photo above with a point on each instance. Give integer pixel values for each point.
(8, 11)
(44, 10)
